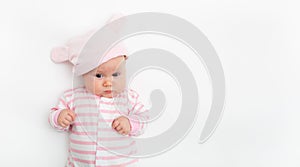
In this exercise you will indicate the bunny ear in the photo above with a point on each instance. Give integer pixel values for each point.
(114, 17)
(59, 54)
(116, 27)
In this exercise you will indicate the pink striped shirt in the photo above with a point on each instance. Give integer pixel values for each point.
(92, 140)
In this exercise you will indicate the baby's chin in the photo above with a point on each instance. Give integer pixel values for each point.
(109, 94)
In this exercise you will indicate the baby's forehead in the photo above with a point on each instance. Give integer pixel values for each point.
(108, 67)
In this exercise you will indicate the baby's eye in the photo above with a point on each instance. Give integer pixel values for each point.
(116, 74)
(99, 75)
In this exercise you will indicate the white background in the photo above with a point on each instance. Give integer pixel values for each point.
(257, 42)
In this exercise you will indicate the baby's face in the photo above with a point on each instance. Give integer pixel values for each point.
(107, 80)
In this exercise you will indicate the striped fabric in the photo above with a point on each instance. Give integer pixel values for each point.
(92, 140)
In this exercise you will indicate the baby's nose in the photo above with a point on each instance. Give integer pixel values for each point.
(107, 83)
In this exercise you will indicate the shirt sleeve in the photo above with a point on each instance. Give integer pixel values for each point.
(55, 111)
(138, 115)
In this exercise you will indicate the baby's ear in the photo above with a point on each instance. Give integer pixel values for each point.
(60, 54)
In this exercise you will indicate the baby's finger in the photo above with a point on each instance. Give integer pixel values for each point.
(115, 124)
(119, 128)
(72, 115)
(124, 132)
(63, 125)
(66, 122)
(69, 118)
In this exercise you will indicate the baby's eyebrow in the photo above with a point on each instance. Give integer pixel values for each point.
(99, 71)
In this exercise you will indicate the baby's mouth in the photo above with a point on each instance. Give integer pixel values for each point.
(108, 91)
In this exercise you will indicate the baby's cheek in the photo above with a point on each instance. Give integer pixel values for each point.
(96, 89)
(92, 87)
(120, 84)
(120, 88)
(88, 83)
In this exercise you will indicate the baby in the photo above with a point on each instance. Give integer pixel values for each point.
(102, 115)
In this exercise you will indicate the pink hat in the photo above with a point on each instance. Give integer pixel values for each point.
(70, 52)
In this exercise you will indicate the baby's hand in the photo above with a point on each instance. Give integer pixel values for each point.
(65, 118)
(121, 125)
